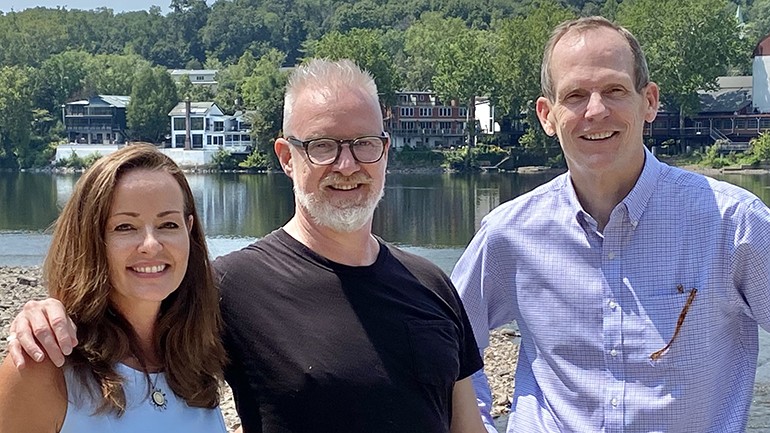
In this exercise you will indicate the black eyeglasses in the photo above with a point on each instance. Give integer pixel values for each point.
(326, 151)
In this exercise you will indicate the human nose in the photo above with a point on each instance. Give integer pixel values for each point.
(150, 244)
(596, 106)
(346, 164)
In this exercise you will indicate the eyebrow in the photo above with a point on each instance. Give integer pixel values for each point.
(136, 214)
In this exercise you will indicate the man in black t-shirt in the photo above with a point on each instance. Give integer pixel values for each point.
(328, 328)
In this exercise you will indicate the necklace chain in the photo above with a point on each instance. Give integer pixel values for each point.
(157, 396)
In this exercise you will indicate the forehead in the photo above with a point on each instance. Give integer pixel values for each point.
(591, 56)
(336, 113)
(141, 186)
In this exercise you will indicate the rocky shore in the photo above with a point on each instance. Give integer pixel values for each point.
(19, 284)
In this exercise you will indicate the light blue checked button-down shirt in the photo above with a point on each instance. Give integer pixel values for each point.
(592, 307)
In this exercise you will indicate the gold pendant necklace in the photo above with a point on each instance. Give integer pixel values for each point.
(157, 396)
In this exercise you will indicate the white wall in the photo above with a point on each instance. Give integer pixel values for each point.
(761, 84)
(189, 158)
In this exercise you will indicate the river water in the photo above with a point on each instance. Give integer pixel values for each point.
(432, 215)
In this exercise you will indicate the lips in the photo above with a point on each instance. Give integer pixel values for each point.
(599, 135)
(345, 183)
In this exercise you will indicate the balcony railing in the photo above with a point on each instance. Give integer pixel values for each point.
(427, 132)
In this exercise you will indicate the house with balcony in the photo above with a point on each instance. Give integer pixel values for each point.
(422, 119)
(100, 119)
(209, 128)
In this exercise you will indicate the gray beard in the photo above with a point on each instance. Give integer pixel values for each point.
(345, 217)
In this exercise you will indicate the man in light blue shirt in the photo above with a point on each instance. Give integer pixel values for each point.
(637, 286)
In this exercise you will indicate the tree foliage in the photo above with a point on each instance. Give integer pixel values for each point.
(263, 98)
(15, 114)
(687, 47)
(366, 48)
(152, 98)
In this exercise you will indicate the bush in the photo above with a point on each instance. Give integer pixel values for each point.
(77, 163)
(224, 160)
(256, 161)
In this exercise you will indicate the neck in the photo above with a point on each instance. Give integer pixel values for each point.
(356, 248)
(600, 192)
(143, 323)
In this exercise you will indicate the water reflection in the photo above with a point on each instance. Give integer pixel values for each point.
(430, 210)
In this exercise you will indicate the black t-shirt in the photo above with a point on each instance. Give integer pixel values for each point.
(316, 346)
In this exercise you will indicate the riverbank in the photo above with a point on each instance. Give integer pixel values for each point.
(19, 284)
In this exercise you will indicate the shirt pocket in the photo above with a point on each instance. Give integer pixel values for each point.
(690, 345)
(435, 351)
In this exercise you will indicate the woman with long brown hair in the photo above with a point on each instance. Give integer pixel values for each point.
(128, 260)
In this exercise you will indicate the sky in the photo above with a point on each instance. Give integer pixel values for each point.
(115, 5)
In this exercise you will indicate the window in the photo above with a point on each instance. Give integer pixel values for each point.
(196, 123)
(219, 125)
(179, 124)
(245, 138)
(197, 140)
(200, 78)
(445, 125)
(408, 125)
(404, 99)
(407, 112)
(462, 112)
(426, 112)
(445, 111)
(426, 125)
(179, 140)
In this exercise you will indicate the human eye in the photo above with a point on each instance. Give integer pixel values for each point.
(169, 225)
(617, 91)
(365, 142)
(322, 144)
(574, 96)
(122, 227)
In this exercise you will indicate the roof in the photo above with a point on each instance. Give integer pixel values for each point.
(192, 71)
(118, 101)
(196, 108)
(733, 95)
(763, 47)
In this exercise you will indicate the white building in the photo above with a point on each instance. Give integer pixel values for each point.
(210, 128)
(761, 76)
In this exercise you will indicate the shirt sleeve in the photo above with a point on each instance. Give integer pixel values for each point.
(750, 262)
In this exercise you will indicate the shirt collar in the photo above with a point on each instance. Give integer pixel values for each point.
(636, 200)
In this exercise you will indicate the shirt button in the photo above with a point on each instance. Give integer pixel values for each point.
(612, 304)
(611, 255)
(613, 352)
(614, 402)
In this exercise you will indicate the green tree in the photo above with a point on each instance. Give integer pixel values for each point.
(59, 78)
(153, 96)
(113, 74)
(263, 96)
(365, 47)
(517, 55)
(688, 44)
(15, 114)
(230, 81)
(459, 59)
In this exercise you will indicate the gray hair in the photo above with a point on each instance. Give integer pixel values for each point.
(641, 72)
(340, 76)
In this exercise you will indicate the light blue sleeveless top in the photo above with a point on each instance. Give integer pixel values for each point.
(141, 414)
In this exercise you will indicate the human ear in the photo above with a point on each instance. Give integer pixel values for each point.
(283, 152)
(543, 109)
